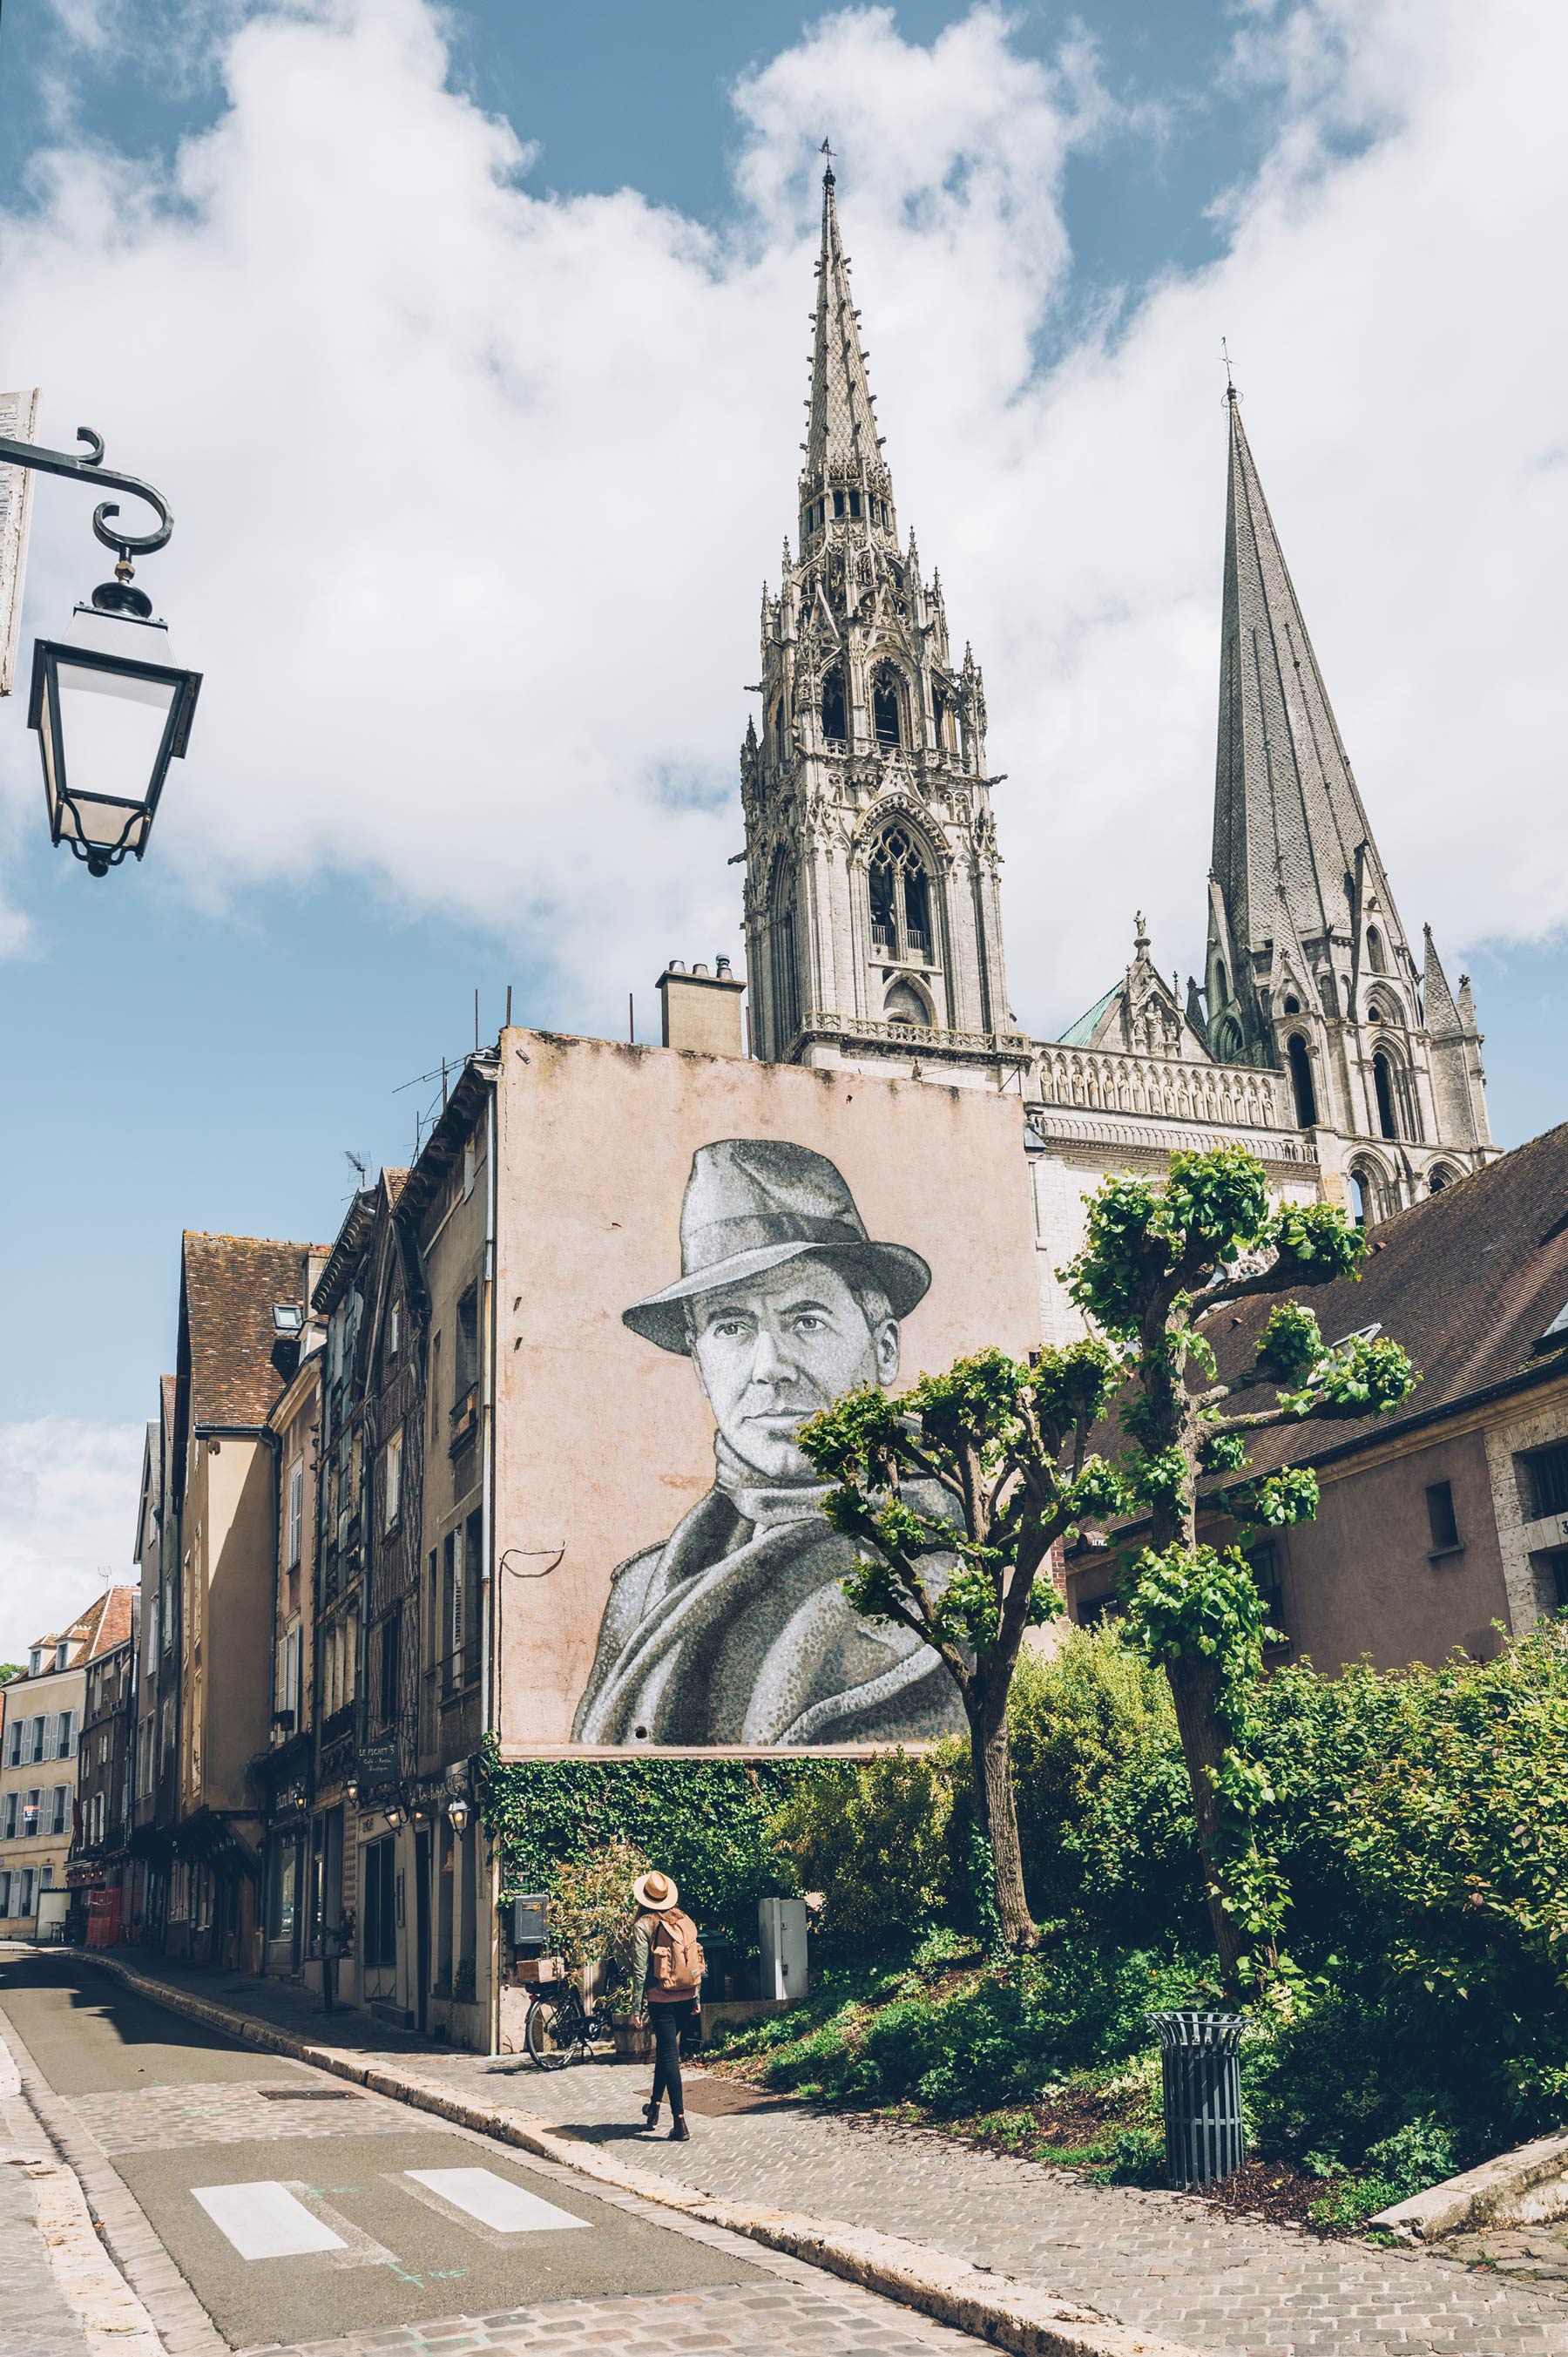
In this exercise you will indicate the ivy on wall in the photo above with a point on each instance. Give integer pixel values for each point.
(706, 1821)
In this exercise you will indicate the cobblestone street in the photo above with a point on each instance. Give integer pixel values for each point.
(1164, 2263)
(1157, 2260)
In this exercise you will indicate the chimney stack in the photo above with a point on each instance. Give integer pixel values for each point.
(701, 1011)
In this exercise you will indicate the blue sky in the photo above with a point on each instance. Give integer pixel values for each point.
(1053, 217)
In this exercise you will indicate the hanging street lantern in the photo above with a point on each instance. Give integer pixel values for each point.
(112, 709)
(111, 706)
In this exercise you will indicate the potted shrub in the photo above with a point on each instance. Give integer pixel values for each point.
(591, 1920)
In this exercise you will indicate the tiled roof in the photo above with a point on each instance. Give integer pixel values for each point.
(1468, 1280)
(106, 1623)
(237, 1360)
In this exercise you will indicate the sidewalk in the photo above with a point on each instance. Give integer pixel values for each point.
(1160, 2262)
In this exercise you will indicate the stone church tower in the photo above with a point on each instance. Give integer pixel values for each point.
(874, 935)
(1308, 967)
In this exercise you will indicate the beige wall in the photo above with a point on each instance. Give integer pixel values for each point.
(1524, 1540)
(604, 1439)
(228, 1525)
(44, 1696)
(1365, 1579)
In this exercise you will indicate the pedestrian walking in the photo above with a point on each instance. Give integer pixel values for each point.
(667, 1973)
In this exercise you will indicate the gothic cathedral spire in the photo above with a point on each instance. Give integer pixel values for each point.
(1308, 967)
(874, 932)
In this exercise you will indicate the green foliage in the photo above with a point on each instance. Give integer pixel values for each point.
(989, 1434)
(1290, 1345)
(592, 1911)
(1419, 2154)
(1358, 1378)
(1278, 1500)
(1076, 1719)
(961, 2038)
(877, 1842)
(706, 1822)
(1188, 1603)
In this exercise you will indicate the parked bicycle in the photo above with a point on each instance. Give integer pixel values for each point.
(561, 2029)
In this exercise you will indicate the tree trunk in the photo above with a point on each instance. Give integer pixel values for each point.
(995, 1807)
(1193, 1684)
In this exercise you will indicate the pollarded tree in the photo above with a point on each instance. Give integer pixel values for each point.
(1156, 1261)
(957, 1491)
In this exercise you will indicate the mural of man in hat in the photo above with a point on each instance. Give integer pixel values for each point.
(735, 1630)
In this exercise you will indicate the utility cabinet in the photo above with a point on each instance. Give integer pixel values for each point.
(782, 1923)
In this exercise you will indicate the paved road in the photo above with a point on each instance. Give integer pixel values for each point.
(1163, 2261)
(258, 2205)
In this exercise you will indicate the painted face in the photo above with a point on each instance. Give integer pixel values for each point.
(774, 1349)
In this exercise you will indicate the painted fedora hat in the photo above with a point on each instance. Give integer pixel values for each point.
(751, 1204)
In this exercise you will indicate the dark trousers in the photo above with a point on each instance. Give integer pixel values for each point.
(668, 2021)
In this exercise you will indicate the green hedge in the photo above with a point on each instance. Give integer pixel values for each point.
(706, 1822)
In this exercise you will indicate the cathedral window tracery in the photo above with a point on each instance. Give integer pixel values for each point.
(1383, 1089)
(834, 726)
(886, 701)
(899, 888)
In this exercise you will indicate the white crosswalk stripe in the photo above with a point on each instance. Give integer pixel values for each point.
(265, 2220)
(495, 2201)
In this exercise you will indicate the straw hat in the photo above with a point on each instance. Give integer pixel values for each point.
(657, 1892)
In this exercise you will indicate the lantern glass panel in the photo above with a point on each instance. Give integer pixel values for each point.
(112, 724)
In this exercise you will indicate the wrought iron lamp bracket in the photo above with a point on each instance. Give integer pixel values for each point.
(91, 470)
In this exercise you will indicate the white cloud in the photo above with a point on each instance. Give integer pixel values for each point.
(475, 488)
(68, 1510)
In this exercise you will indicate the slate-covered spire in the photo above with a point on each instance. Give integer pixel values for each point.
(843, 449)
(1288, 818)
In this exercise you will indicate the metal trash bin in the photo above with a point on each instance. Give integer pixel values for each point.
(1201, 2071)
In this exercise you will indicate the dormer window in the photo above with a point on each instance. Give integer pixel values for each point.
(288, 1318)
(35, 1660)
(62, 1652)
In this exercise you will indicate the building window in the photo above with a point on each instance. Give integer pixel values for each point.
(65, 1736)
(30, 1813)
(1093, 1610)
(14, 1749)
(1302, 1088)
(786, 985)
(452, 1603)
(62, 1653)
(24, 1899)
(392, 1481)
(900, 898)
(5, 1891)
(36, 1751)
(834, 726)
(294, 1542)
(1383, 1089)
(887, 714)
(473, 1558)
(466, 1357)
(391, 1648)
(394, 1322)
(1440, 1517)
(35, 1660)
(1376, 956)
(60, 1815)
(1556, 1565)
(13, 1803)
(380, 1902)
(1546, 1480)
(1361, 1201)
(1264, 1562)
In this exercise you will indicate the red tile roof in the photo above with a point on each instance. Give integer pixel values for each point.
(236, 1359)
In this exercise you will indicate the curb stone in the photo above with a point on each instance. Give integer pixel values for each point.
(110, 2314)
(1018, 2316)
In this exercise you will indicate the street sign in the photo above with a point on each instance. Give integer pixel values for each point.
(18, 423)
(378, 1761)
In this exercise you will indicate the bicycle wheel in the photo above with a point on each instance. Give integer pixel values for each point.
(549, 2033)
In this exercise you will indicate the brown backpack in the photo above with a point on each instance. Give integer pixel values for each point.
(679, 1963)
